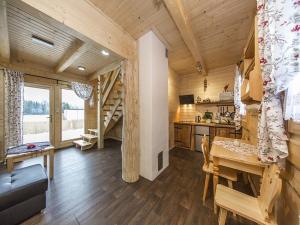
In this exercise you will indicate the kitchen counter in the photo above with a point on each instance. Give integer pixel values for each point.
(207, 124)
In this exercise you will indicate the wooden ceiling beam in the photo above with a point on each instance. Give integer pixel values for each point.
(4, 38)
(104, 70)
(177, 12)
(71, 55)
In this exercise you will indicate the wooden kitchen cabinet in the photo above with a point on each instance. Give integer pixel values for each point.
(183, 133)
(221, 132)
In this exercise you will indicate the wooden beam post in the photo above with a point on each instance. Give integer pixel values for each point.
(71, 55)
(177, 12)
(4, 38)
(100, 116)
(130, 132)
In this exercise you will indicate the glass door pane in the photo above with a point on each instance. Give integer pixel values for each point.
(72, 121)
(36, 114)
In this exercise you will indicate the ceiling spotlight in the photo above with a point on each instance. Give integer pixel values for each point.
(199, 67)
(81, 68)
(41, 41)
(104, 52)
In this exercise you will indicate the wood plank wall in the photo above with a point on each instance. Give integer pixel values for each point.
(288, 207)
(116, 132)
(194, 84)
(90, 109)
(173, 102)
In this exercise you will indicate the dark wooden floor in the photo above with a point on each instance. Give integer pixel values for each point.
(88, 189)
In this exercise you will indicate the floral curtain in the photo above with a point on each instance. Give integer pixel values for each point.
(83, 91)
(14, 87)
(278, 40)
(239, 106)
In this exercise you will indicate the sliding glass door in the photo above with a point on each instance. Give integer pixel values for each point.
(37, 116)
(72, 117)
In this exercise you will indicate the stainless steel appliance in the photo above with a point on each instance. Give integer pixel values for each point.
(200, 131)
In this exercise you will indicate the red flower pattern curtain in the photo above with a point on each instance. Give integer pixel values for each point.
(278, 37)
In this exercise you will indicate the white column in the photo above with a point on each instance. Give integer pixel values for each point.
(153, 90)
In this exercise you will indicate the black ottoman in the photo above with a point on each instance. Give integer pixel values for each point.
(22, 194)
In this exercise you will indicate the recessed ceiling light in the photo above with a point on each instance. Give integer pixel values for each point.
(41, 41)
(81, 68)
(104, 52)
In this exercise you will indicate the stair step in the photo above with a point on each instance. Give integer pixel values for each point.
(93, 131)
(88, 136)
(82, 143)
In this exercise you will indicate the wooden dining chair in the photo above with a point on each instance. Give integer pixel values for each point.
(227, 173)
(259, 210)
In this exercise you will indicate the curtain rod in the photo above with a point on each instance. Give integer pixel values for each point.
(57, 80)
(12, 68)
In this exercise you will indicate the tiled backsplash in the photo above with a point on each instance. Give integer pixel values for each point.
(194, 84)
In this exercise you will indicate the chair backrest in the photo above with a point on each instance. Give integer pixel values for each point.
(270, 189)
(205, 150)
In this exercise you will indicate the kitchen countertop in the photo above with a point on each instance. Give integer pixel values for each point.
(207, 124)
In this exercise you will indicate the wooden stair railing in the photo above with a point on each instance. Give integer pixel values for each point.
(113, 80)
(106, 81)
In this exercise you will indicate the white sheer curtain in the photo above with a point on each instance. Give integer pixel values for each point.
(14, 88)
(83, 91)
(278, 39)
(239, 106)
(292, 100)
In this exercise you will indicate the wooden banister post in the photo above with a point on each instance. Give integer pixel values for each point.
(130, 133)
(100, 116)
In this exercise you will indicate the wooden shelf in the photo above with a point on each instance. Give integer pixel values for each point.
(218, 103)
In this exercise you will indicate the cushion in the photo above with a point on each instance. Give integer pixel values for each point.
(22, 184)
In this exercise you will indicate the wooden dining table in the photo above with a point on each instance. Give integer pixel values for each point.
(233, 159)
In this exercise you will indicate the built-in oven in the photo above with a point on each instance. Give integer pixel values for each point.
(200, 131)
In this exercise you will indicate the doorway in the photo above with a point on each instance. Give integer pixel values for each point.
(37, 113)
(72, 115)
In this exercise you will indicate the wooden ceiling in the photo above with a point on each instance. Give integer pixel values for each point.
(23, 23)
(220, 27)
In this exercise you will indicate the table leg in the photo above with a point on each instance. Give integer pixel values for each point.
(51, 163)
(45, 160)
(10, 165)
(215, 183)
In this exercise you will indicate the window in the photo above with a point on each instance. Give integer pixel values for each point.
(292, 100)
(72, 120)
(36, 116)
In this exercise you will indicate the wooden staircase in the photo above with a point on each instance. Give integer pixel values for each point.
(88, 140)
(112, 92)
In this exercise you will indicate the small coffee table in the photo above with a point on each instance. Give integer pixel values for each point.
(47, 152)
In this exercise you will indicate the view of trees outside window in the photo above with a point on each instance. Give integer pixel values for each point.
(72, 115)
